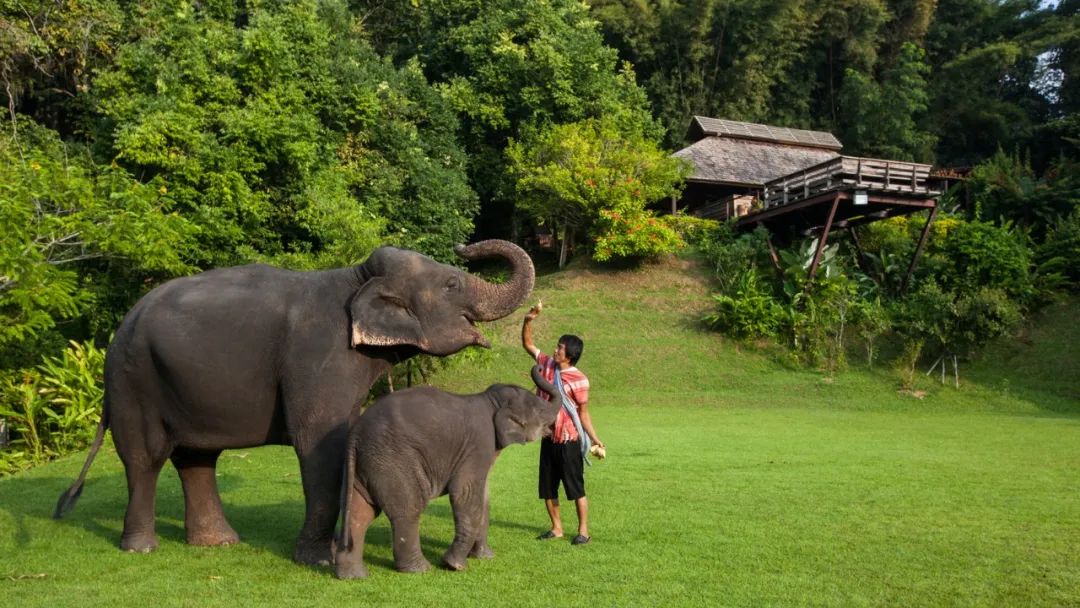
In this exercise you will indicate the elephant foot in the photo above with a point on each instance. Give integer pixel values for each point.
(213, 538)
(414, 566)
(345, 568)
(139, 543)
(454, 563)
(313, 554)
(481, 551)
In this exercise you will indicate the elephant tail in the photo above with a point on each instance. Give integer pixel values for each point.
(68, 498)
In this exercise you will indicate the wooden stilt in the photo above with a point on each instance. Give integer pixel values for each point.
(860, 257)
(918, 249)
(821, 241)
(934, 366)
(774, 257)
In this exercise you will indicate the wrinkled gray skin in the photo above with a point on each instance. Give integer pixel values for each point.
(254, 355)
(416, 444)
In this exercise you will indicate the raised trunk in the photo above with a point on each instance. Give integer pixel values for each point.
(542, 383)
(495, 301)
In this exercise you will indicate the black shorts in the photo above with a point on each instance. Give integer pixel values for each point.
(561, 462)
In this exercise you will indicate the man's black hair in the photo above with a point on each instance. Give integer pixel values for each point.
(573, 346)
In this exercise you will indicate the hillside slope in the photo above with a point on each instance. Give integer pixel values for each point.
(643, 336)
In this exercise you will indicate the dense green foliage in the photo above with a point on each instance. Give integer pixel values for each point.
(145, 139)
(288, 139)
(510, 69)
(52, 409)
(595, 177)
(947, 80)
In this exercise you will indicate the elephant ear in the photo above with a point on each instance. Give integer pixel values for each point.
(511, 419)
(382, 318)
(509, 429)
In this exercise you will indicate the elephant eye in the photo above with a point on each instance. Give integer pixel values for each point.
(453, 284)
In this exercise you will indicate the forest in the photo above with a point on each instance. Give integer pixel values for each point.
(145, 140)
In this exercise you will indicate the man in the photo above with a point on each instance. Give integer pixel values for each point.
(561, 455)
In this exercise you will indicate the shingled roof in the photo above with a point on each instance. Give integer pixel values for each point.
(749, 162)
(703, 126)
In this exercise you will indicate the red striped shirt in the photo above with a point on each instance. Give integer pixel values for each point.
(576, 386)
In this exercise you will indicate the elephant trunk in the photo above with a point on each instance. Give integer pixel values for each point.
(542, 383)
(495, 301)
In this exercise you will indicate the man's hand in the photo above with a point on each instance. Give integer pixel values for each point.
(526, 329)
(534, 311)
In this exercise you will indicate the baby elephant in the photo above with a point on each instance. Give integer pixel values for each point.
(419, 443)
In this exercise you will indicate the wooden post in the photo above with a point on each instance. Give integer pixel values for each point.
(860, 257)
(918, 249)
(772, 254)
(822, 240)
(674, 205)
(568, 234)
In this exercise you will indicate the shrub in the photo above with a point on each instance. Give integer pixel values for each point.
(979, 254)
(53, 409)
(1058, 257)
(870, 318)
(693, 230)
(633, 236)
(956, 322)
(729, 253)
(748, 311)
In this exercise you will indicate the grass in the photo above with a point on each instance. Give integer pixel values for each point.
(732, 480)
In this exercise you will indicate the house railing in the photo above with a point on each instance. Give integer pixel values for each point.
(849, 173)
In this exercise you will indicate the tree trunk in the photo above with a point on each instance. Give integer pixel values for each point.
(567, 235)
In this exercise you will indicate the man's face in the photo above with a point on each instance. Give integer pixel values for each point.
(560, 354)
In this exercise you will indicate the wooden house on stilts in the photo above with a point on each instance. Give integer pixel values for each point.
(796, 183)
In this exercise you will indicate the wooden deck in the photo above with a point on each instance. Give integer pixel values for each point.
(843, 193)
(847, 173)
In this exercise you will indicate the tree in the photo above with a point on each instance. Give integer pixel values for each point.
(282, 135)
(62, 214)
(984, 59)
(777, 62)
(593, 175)
(509, 67)
(49, 50)
(883, 119)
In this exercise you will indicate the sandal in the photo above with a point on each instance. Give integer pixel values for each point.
(580, 539)
(548, 535)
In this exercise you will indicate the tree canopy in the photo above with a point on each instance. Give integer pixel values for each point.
(145, 139)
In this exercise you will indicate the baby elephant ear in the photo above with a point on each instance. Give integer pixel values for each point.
(381, 318)
(509, 429)
(516, 419)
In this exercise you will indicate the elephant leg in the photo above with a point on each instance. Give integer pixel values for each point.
(320, 467)
(143, 447)
(139, 535)
(204, 518)
(480, 549)
(467, 502)
(349, 561)
(405, 528)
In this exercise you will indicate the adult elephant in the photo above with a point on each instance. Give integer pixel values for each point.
(255, 355)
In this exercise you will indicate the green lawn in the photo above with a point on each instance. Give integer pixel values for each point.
(731, 480)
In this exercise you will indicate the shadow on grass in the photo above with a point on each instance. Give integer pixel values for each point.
(271, 527)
